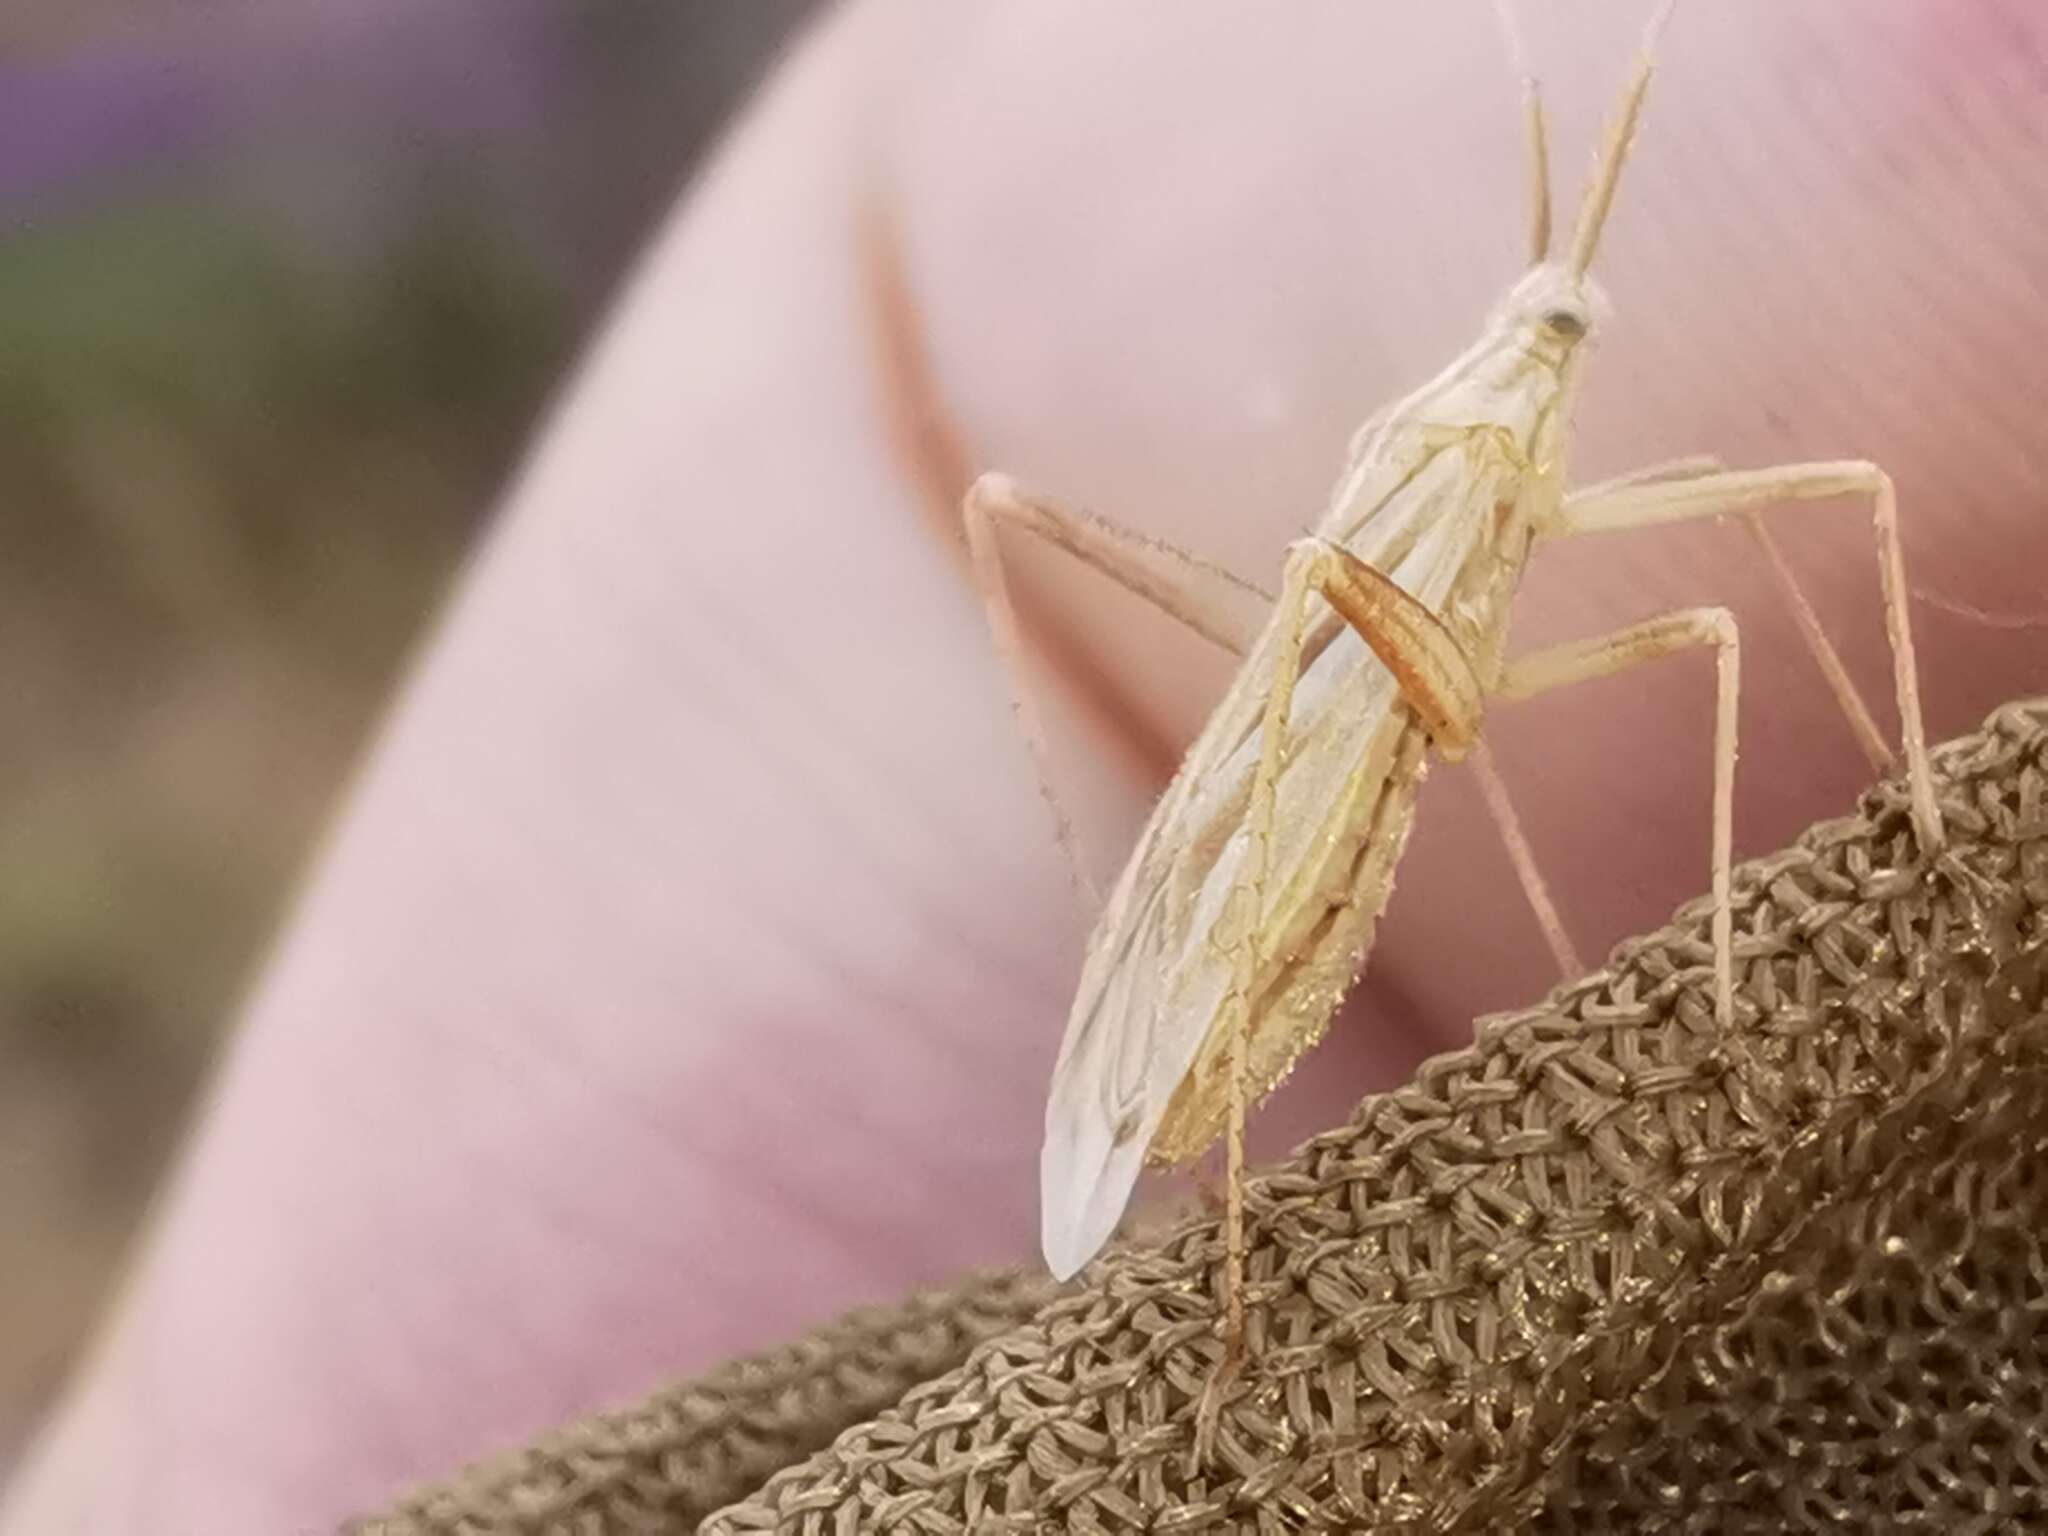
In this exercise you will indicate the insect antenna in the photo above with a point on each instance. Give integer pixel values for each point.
(1620, 133)
(1538, 127)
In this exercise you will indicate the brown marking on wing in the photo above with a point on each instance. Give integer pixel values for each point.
(1432, 670)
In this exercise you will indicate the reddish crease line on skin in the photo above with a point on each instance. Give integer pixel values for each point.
(933, 452)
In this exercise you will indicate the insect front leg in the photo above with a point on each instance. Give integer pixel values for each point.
(1128, 558)
(1561, 666)
(1750, 491)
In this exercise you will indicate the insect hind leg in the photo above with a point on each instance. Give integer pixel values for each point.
(1438, 683)
(1493, 790)
(1130, 559)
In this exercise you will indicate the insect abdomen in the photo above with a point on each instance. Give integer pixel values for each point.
(1300, 992)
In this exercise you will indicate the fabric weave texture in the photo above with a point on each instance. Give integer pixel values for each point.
(1604, 1270)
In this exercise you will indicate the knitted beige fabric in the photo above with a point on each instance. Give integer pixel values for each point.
(666, 1463)
(1603, 1270)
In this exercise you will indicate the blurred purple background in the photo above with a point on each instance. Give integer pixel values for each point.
(282, 291)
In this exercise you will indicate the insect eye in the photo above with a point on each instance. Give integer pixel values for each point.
(1566, 323)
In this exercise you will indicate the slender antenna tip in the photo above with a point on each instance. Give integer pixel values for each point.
(1511, 30)
(1536, 130)
(1653, 35)
(1600, 196)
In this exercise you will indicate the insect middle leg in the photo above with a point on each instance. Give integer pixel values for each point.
(1644, 505)
(1651, 640)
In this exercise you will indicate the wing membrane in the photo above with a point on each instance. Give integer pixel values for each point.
(1155, 978)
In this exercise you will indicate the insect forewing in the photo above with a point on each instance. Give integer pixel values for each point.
(1432, 487)
(1160, 965)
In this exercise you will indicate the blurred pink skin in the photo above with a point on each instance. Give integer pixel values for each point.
(690, 960)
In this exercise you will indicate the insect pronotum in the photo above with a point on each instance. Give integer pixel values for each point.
(1247, 907)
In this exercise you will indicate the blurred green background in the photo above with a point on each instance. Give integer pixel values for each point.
(283, 291)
